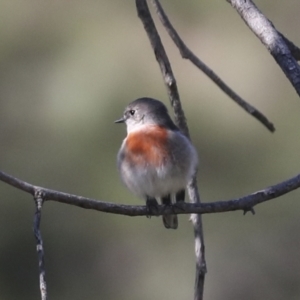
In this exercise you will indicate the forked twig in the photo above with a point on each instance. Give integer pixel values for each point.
(188, 54)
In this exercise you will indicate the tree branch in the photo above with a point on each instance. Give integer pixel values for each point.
(295, 51)
(188, 54)
(164, 64)
(244, 203)
(38, 197)
(271, 38)
(170, 82)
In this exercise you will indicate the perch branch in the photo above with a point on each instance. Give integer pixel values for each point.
(271, 38)
(170, 82)
(188, 54)
(243, 203)
(38, 197)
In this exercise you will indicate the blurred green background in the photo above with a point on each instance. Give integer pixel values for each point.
(67, 70)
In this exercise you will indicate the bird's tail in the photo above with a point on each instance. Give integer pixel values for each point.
(170, 221)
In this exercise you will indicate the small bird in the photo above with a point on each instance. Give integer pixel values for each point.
(155, 161)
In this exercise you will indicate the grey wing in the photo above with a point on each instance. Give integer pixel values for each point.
(184, 154)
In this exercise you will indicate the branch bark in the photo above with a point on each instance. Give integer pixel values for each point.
(295, 51)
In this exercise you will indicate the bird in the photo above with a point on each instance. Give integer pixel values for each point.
(156, 160)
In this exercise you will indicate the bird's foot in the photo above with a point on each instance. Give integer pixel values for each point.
(152, 206)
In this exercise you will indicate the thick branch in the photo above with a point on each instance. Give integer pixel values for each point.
(244, 203)
(188, 54)
(271, 38)
(295, 51)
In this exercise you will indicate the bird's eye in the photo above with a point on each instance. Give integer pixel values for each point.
(132, 111)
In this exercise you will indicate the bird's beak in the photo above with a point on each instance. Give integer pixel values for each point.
(122, 120)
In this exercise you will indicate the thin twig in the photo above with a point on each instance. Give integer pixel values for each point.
(243, 203)
(164, 64)
(196, 219)
(188, 54)
(271, 38)
(170, 82)
(38, 197)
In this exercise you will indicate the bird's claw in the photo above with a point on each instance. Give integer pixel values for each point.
(152, 207)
